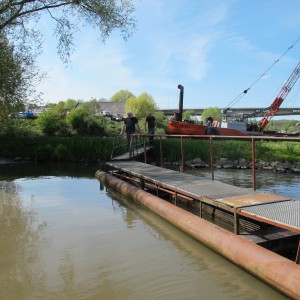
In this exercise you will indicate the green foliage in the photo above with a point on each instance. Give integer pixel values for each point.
(20, 127)
(264, 150)
(16, 79)
(121, 96)
(93, 106)
(291, 149)
(44, 152)
(286, 126)
(161, 122)
(281, 151)
(212, 111)
(20, 40)
(232, 149)
(141, 105)
(113, 128)
(20, 20)
(65, 149)
(84, 123)
(188, 115)
(61, 152)
(50, 122)
(70, 104)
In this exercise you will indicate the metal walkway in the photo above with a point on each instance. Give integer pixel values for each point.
(276, 210)
(228, 196)
(282, 214)
(137, 151)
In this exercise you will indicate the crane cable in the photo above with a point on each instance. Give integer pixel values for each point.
(242, 94)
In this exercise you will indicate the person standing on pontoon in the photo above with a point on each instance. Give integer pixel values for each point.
(151, 122)
(130, 126)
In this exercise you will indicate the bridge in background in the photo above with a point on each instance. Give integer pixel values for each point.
(113, 108)
(119, 108)
(239, 111)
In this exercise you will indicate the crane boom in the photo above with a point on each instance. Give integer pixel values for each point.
(274, 108)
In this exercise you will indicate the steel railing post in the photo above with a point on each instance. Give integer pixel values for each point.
(161, 152)
(253, 165)
(182, 155)
(145, 152)
(211, 157)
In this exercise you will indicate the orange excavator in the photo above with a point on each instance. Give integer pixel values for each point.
(274, 108)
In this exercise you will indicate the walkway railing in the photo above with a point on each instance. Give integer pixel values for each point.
(211, 139)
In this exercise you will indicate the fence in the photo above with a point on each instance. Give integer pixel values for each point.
(211, 139)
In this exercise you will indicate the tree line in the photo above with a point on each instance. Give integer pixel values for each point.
(21, 40)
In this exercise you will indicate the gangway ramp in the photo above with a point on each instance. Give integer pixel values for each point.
(127, 155)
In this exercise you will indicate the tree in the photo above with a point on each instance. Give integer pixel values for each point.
(93, 106)
(141, 105)
(188, 115)
(50, 122)
(121, 96)
(85, 123)
(18, 19)
(17, 78)
(212, 111)
(21, 39)
(70, 104)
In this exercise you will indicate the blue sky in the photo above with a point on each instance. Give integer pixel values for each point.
(214, 48)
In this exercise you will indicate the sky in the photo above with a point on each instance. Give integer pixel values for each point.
(214, 48)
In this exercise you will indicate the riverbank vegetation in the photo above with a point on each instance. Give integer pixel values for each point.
(268, 151)
(73, 131)
(101, 149)
(58, 149)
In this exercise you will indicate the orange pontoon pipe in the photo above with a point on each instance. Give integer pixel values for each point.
(277, 271)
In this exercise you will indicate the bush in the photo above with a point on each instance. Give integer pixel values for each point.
(83, 123)
(51, 122)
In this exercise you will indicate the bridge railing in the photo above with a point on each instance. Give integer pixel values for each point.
(211, 139)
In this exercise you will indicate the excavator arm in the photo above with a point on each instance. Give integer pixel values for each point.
(274, 108)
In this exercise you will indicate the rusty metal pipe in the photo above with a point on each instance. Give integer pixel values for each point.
(277, 271)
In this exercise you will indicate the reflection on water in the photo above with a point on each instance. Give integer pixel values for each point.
(66, 237)
(21, 241)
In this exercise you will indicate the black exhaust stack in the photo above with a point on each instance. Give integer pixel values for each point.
(178, 116)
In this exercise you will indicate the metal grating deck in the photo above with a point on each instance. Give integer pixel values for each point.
(282, 214)
(195, 186)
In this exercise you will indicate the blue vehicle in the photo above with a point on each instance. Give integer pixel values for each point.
(26, 114)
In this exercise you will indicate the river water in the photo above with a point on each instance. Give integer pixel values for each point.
(64, 236)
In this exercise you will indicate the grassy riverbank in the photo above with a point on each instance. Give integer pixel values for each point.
(264, 150)
(45, 148)
(58, 148)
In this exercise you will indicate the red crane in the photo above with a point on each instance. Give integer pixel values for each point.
(274, 108)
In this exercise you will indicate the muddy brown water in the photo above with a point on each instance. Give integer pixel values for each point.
(64, 236)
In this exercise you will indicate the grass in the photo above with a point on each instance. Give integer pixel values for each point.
(264, 150)
(42, 148)
(58, 148)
